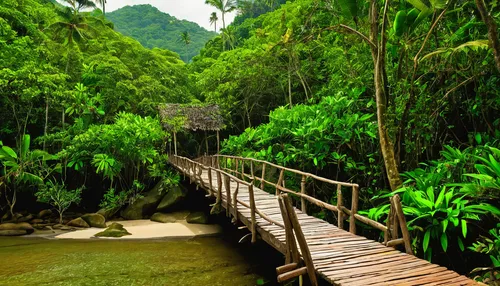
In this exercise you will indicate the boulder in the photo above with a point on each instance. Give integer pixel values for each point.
(163, 218)
(24, 227)
(94, 220)
(108, 213)
(44, 213)
(114, 230)
(173, 196)
(36, 220)
(197, 217)
(145, 206)
(12, 232)
(78, 222)
(25, 218)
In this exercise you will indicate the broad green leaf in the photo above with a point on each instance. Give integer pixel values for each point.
(460, 243)
(444, 241)
(349, 7)
(427, 237)
(464, 227)
(25, 145)
(418, 4)
(8, 152)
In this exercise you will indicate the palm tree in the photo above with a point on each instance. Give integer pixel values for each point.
(102, 3)
(224, 6)
(186, 39)
(213, 20)
(229, 38)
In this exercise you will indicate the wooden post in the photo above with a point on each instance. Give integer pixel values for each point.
(252, 213)
(235, 201)
(306, 254)
(243, 170)
(227, 184)
(175, 143)
(251, 171)
(394, 221)
(219, 188)
(354, 210)
(340, 215)
(292, 253)
(236, 168)
(218, 142)
(303, 206)
(210, 187)
(402, 224)
(206, 143)
(262, 184)
(280, 180)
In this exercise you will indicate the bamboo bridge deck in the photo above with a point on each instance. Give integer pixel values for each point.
(340, 257)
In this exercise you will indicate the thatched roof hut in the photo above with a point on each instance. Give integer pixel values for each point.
(175, 117)
(192, 117)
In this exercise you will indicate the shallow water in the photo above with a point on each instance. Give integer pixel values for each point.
(201, 261)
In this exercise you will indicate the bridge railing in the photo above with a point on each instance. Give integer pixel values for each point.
(245, 168)
(241, 169)
(227, 181)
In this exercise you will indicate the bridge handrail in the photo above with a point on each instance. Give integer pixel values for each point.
(215, 161)
(196, 169)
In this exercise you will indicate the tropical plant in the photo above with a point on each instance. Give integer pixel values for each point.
(23, 168)
(58, 196)
(186, 39)
(488, 245)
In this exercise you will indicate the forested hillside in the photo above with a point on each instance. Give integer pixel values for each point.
(155, 29)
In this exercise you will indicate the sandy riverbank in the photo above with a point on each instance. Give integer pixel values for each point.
(146, 229)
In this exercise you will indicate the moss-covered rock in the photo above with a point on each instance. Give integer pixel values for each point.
(78, 222)
(146, 206)
(114, 230)
(10, 229)
(45, 213)
(108, 213)
(95, 220)
(163, 218)
(197, 217)
(173, 197)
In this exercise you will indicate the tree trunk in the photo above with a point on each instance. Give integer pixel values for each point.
(491, 25)
(46, 120)
(60, 217)
(378, 54)
(290, 86)
(224, 29)
(218, 142)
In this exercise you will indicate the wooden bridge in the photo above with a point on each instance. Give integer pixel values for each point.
(338, 256)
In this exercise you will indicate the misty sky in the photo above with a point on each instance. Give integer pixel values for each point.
(192, 10)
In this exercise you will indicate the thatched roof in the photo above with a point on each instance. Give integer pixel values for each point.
(193, 117)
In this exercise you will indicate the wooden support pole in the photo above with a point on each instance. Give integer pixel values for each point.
(292, 253)
(340, 204)
(394, 221)
(206, 143)
(286, 268)
(219, 188)
(262, 183)
(243, 170)
(303, 206)
(292, 274)
(387, 233)
(227, 184)
(236, 166)
(252, 175)
(306, 254)
(402, 224)
(218, 142)
(210, 187)
(279, 182)
(175, 143)
(252, 213)
(354, 210)
(235, 201)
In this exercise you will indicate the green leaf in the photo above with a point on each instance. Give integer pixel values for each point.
(464, 227)
(349, 7)
(8, 152)
(444, 241)
(427, 237)
(418, 4)
(478, 138)
(25, 145)
(460, 243)
(444, 223)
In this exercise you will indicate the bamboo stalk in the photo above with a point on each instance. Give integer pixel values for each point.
(263, 174)
(252, 214)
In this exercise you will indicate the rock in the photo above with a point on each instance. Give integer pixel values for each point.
(78, 222)
(12, 232)
(17, 216)
(163, 218)
(114, 230)
(197, 217)
(57, 226)
(66, 228)
(173, 196)
(23, 226)
(109, 213)
(94, 220)
(146, 206)
(36, 220)
(25, 218)
(44, 213)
